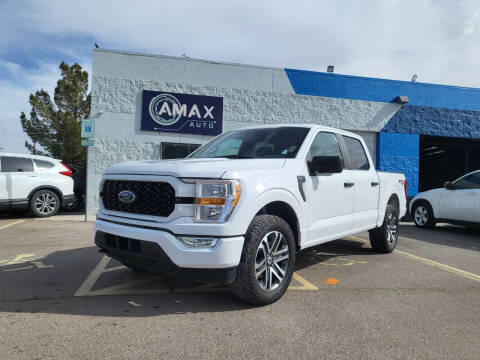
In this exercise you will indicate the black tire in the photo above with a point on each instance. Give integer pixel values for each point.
(246, 285)
(422, 215)
(384, 239)
(49, 199)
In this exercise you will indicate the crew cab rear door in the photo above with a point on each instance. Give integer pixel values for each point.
(329, 197)
(364, 177)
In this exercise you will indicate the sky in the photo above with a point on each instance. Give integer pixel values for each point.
(437, 40)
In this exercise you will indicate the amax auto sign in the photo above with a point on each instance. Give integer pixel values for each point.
(181, 113)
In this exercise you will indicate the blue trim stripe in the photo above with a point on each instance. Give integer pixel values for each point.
(383, 90)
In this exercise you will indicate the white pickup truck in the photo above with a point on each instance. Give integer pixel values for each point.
(239, 208)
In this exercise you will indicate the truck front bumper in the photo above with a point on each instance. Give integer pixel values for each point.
(162, 252)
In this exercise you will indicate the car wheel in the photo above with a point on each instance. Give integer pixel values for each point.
(422, 214)
(267, 261)
(44, 203)
(385, 238)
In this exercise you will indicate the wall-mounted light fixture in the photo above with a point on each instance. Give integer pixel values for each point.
(402, 99)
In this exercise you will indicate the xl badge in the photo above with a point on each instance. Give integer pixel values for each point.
(127, 197)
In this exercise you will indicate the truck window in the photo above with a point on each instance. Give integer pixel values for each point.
(16, 164)
(262, 143)
(324, 144)
(356, 152)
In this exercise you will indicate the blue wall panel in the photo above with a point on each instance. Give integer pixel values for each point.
(383, 90)
(435, 121)
(400, 153)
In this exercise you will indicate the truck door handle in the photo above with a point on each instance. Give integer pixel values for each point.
(374, 183)
(348, 184)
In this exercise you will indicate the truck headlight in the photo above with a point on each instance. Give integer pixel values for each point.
(215, 199)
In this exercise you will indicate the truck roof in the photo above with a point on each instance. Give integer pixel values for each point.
(311, 126)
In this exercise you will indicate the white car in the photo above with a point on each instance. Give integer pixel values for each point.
(239, 208)
(457, 203)
(34, 182)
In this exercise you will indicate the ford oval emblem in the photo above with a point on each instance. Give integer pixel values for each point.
(127, 196)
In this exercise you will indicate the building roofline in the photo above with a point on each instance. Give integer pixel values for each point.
(346, 76)
(217, 62)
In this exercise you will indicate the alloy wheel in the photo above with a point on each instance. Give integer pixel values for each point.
(392, 228)
(272, 260)
(421, 215)
(45, 204)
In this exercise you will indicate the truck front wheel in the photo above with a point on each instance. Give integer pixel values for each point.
(267, 261)
(384, 239)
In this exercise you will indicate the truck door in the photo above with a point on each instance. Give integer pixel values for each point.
(366, 184)
(329, 197)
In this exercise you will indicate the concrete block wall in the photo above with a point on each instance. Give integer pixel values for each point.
(400, 153)
(423, 120)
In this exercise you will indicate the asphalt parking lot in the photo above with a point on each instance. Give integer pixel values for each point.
(61, 298)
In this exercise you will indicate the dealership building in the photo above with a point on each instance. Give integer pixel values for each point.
(160, 107)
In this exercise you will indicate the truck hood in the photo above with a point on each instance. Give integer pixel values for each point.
(201, 168)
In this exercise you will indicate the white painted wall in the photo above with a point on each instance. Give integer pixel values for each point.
(252, 95)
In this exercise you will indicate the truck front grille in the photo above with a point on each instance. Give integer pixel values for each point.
(151, 198)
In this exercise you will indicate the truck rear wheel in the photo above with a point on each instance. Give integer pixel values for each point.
(267, 261)
(384, 239)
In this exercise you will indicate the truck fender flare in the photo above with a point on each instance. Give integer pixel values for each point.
(392, 190)
(274, 195)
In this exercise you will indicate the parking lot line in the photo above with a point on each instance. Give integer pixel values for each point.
(11, 224)
(127, 288)
(436, 264)
(87, 285)
(306, 285)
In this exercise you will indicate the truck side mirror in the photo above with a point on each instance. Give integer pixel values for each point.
(325, 165)
(448, 185)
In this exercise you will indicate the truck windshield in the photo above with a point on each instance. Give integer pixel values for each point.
(263, 143)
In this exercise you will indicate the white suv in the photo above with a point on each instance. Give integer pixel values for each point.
(34, 182)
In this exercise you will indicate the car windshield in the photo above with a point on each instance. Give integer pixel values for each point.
(263, 143)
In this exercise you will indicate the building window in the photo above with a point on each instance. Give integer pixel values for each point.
(177, 150)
